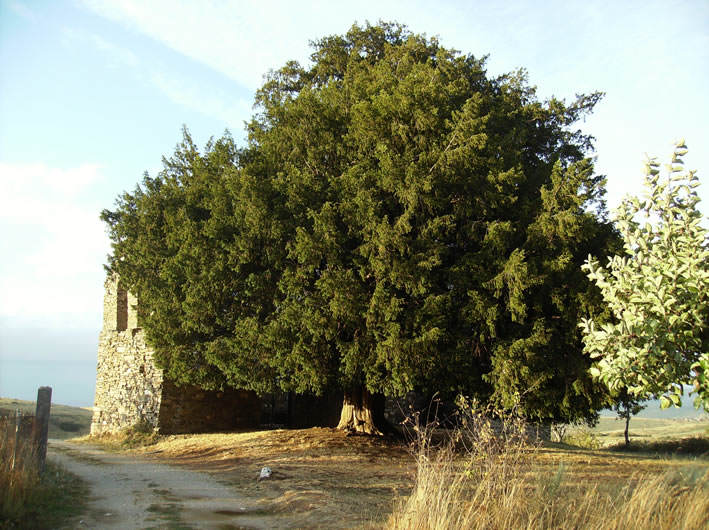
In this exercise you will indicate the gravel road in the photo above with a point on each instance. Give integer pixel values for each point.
(134, 492)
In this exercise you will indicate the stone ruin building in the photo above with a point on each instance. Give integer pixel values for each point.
(131, 389)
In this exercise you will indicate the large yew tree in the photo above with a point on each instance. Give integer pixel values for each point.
(399, 220)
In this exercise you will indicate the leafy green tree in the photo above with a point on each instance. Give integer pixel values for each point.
(658, 292)
(398, 221)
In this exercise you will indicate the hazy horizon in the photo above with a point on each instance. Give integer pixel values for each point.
(73, 382)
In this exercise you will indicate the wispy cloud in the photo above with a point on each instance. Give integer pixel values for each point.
(178, 88)
(22, 10)
(120, 54)
(115, 53)
(241, 40)
(208, 102)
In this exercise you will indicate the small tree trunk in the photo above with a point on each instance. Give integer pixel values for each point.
(627, 424)
(362, 412)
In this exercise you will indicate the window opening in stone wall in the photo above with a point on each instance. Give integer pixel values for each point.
(122, 310)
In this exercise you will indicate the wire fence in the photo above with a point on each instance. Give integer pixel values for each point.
(23, 437)
(17, 441)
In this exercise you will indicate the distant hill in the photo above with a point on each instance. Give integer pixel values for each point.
(653, 410)
(64, 421)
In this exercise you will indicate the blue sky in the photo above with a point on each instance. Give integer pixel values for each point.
(94, 93)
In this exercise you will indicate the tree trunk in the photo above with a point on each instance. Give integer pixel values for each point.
(362, 412)
(627, 424)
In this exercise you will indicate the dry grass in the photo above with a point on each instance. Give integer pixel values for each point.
(19, 476)
(444, 498)
(517, 485)
(28, 498)
(138, 435)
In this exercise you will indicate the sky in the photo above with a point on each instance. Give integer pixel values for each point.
(93, 94)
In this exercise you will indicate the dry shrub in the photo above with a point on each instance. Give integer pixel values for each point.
(140, 434)
(482, 476)
(582, 437)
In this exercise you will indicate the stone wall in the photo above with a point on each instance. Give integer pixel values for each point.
(131, 389)
(128, 384)
(189, 409)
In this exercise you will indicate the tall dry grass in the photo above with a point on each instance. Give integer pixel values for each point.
(28, 498)
(140, 434)
(483, 476)
(19, 476)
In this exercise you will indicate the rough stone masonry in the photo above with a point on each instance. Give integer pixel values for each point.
(131, 390)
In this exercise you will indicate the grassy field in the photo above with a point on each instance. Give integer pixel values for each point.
(64, 421)
(611, 429)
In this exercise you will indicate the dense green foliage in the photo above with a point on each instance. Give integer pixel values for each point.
(398, 220)
(658, 293)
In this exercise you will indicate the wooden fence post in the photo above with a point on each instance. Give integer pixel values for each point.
(18, 421)
(41, 424)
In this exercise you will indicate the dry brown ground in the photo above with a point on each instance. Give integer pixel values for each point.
(323, 478)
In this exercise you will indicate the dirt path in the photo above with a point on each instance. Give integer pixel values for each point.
(132, 492)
